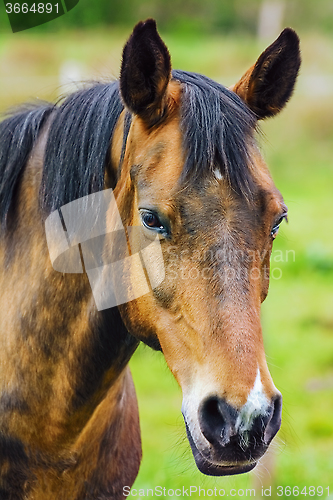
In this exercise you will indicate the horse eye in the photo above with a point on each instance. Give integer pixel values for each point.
(275, 229)
(151, 221)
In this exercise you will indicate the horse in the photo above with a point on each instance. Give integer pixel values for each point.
(177, 153)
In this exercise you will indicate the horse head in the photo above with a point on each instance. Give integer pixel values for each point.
(193, 177)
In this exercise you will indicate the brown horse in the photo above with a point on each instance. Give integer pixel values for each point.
(179, 153)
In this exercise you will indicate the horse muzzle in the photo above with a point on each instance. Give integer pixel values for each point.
(227, 441)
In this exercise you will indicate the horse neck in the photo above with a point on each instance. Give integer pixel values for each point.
(67, 354)
(105, 457)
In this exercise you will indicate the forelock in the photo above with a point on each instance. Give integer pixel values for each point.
(217, 130)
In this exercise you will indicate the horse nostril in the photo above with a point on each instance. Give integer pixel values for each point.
(274, 423)
(220, 422)
(217, 420)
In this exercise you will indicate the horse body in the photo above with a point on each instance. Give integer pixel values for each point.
(67, 398)
(187, 169)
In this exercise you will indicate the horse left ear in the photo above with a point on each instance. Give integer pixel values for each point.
(268, 85)
(145, 72)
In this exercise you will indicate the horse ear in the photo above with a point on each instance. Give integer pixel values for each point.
(145, 72)
(268, 85)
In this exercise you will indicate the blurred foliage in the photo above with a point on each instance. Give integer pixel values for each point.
(223, 16)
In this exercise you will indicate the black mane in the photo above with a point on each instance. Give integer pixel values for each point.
(77, 150)
(215, 123)
(18, 133)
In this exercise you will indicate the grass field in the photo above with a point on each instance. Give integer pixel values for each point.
(298, 313)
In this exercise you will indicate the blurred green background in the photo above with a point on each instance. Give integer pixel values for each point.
(222, 38)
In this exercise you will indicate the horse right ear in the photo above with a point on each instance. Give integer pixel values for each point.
(268, 85)
(145, 73)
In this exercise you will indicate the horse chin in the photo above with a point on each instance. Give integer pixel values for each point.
(212, 469)
(220, 470)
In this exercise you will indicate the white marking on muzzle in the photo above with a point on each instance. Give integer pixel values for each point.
(255, 406)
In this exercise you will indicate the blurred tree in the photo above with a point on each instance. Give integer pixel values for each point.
(188, 15)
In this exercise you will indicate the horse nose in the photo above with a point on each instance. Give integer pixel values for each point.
(274, 422)
(217, 421)
(229, 428)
